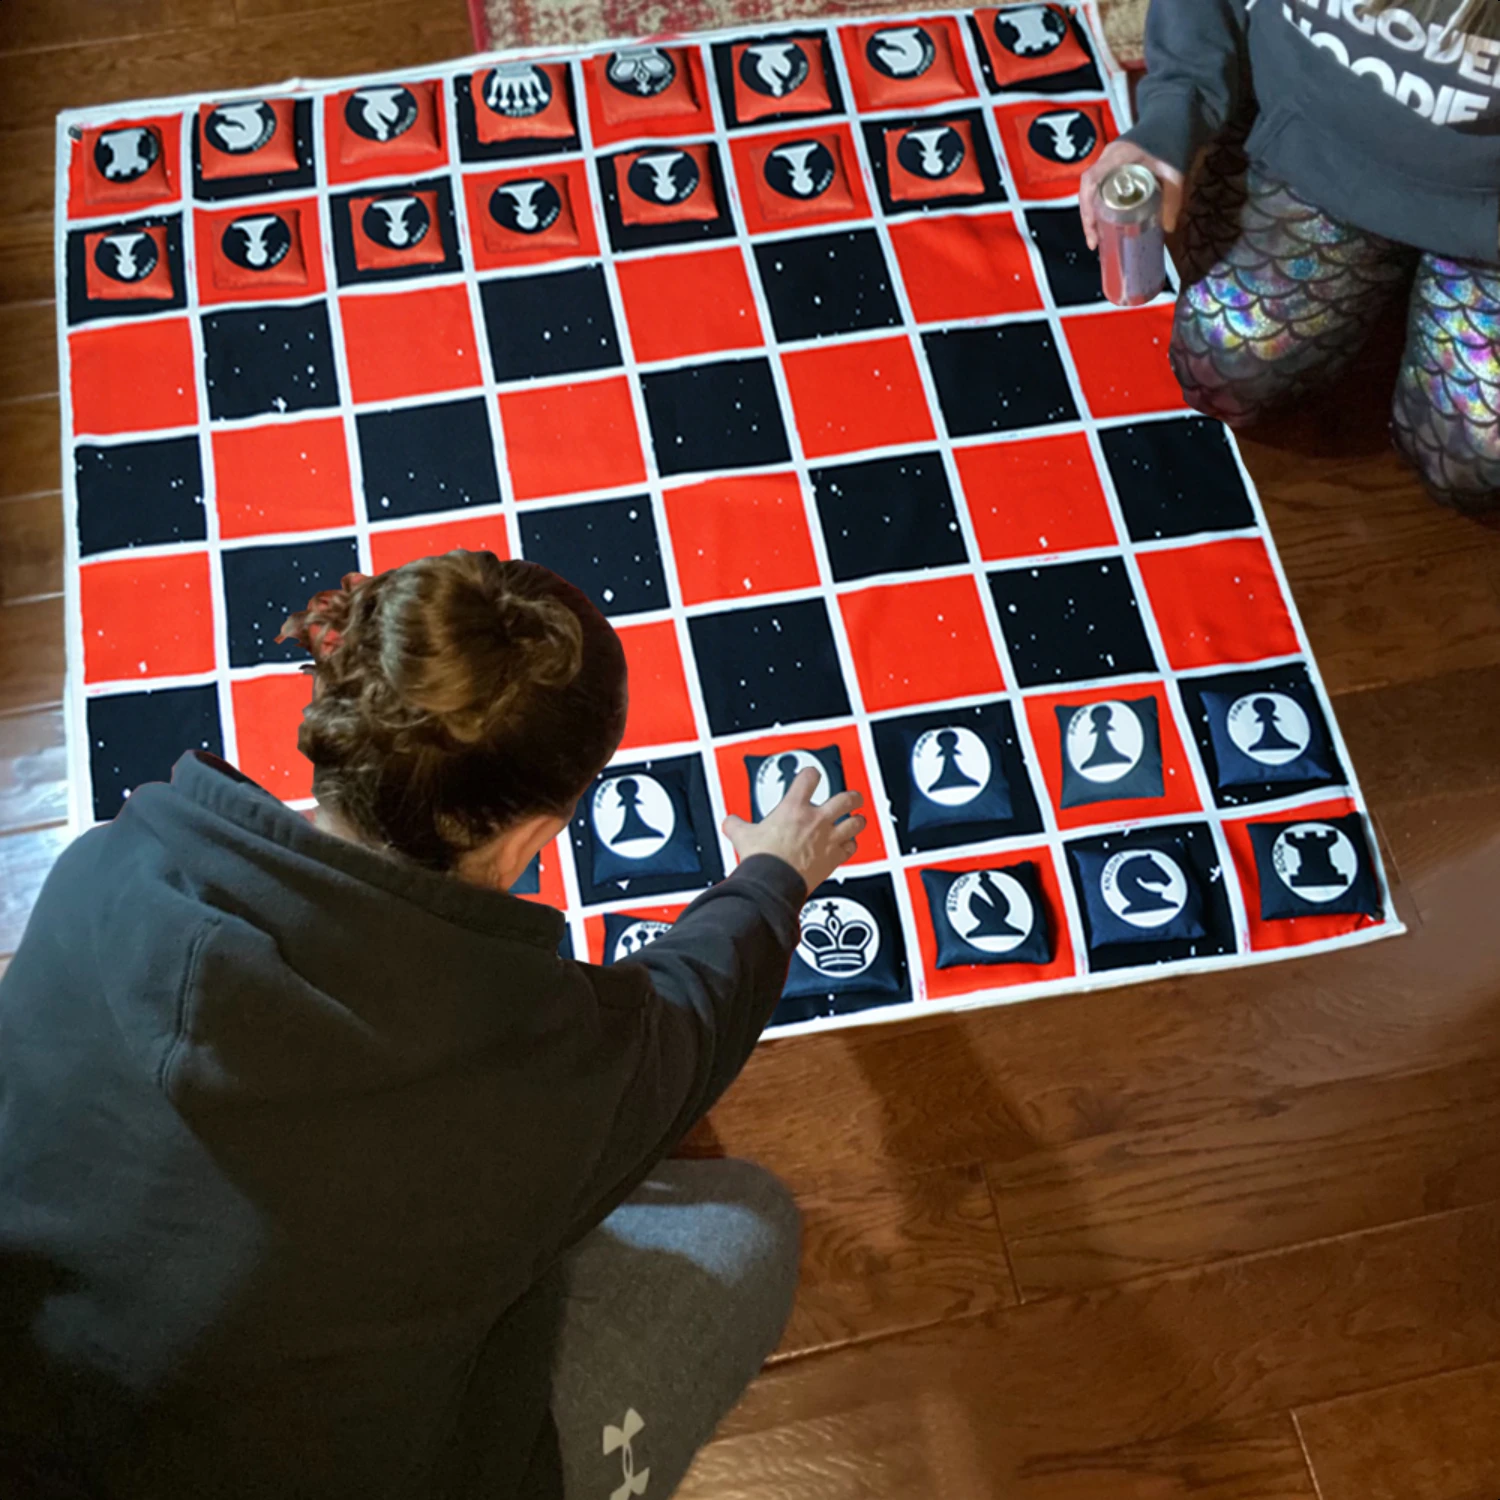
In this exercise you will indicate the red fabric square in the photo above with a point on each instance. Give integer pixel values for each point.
(661, 713)
(1218, 602)
(265, 253)
(1029, 41)
(917, 172)
(127, 164)
(433, 330)
(267, 716)
(1050, 145)
(802, 177)
(128, 262)
(593, 926)
(247, 138)
(655, 91)
(286, 477)
(549, 879)
(395, 547)
(1288, 932)
(965, 266)
(713, 283)
(1033, 498)
(739, 536)
(377, 246)
(531, 213)
(1179, 794)
(736, 782)
(968, 979)
(779, 76)
(383, 130)
(666, 185)
(545, 447)
(905, 64)
(1122, 361)
(848, 397)
(920, 642)
(522, 101)
(133, 378)
(147, 617)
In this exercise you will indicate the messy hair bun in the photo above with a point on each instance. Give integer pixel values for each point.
(454, 696)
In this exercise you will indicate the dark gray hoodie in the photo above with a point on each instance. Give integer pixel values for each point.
(287, 1127)
(1382, 121)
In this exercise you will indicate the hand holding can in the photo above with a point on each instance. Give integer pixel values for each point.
(1132, 248)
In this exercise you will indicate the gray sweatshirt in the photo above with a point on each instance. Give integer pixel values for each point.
(287, 1128)
(1382, 121)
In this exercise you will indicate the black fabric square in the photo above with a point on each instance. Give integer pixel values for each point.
(767, 666)
(1072, 268)
(1110, 750)
(645, 829)
(139, 494)
(1070, 622)
(138, 737)
(265, 359)
(625, 935)
(263, 585)
(1151, 896)
(996, 916)
(607, 549)
(625, 237)
(955, 776)
(1176, 478)
(771, 776)
(554, 324)
(998, 379)
(427, 458)
(851, 955)
(720, 416)
(888, 515)
(826, 283)
(1261, 734)
(126, 256)
(1317, 867)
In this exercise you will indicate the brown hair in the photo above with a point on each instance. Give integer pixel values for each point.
(454, 696)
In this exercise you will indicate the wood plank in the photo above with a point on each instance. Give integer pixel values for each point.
(876, 1452)
(28, 176)
(28, 334)
(32, 657)
(33, 769)
(53, 23)
(1432, 836)
(31, 547)
(1432, 1439)
(1262, 1173)
(25, 859)
(26, 258)
(894, 1251)
(1077, 1376)
(351, 39)
(30, 440)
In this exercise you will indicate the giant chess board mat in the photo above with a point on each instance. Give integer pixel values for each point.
(784, 345)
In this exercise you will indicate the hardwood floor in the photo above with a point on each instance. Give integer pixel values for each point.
(1231, 1237)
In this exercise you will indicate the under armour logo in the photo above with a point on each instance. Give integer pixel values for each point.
(621, 1440)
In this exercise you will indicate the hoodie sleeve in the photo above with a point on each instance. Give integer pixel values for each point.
(1197, 63)
(703, 993)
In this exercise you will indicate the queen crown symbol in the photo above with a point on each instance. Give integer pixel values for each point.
(837, 946)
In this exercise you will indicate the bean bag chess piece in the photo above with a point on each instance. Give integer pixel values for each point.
(625, 935)
(1110, 751)
(955, 778)
(247, 138)
(1273, 735)
(1142, 892)
(996, 916)
(850, 955)
(520, 101)
(1026, 45)
(777, 76)
(771, 777)
(1315, 867)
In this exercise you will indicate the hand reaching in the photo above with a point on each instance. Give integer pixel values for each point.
(1122, 154)
(814, 841)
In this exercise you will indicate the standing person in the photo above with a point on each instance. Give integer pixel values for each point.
(1371, 170)
(322, 1175)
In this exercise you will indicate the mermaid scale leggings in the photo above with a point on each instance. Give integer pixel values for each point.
(1278, 298)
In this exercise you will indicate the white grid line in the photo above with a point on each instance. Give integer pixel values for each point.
(977, 569)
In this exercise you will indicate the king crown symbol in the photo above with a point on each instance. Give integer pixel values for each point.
(837, 946)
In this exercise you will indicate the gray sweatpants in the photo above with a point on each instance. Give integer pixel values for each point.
(671, 1306)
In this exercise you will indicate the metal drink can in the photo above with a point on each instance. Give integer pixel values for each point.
(1132, 253)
